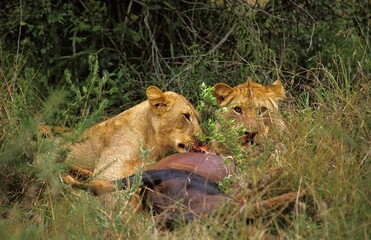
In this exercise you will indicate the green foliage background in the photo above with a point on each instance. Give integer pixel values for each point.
(176, 44)
(73, 63)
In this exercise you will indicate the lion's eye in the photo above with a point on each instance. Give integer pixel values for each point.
(187, 116)
(262, 110)
(237, 110)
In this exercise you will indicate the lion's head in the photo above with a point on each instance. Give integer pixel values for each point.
(252, 106)
(174, 119)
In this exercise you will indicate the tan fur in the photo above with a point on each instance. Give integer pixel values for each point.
(112, 149)
(253, 106)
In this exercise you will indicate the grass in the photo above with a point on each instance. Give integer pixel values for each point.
(326, 152)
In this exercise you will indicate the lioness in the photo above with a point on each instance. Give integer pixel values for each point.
(191, 180)
(252, 106)
(112, 149)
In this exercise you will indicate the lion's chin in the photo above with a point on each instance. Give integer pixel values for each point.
(182, 150)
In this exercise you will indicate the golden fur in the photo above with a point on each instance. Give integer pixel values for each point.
(253, 106)
(112, 149)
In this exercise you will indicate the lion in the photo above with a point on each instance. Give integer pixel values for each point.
(252, 106)
(112, 149)
(185, 186)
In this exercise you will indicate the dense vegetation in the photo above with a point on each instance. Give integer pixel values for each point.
(74, 63)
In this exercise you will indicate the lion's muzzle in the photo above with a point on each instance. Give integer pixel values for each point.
(249, 138)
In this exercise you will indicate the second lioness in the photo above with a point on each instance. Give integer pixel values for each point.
(112, 149)
(254, 107)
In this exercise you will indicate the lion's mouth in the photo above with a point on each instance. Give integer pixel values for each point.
(249, 138)
(182, 148)
(195, 147)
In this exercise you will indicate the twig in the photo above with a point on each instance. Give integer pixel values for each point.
(222, 40)
(220, 43)
(154, 49)
(18, 47)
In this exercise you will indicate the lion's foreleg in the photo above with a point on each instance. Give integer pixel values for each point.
(81, 172)
(97, 187)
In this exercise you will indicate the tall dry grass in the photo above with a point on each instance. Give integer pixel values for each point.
(326, 152)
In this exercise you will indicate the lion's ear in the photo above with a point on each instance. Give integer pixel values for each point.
(157, 98)
(221, 92)
(276, 89)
